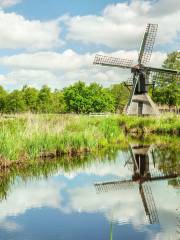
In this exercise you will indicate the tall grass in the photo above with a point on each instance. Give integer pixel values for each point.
(165, 124)
(29, 136)
(26, 137)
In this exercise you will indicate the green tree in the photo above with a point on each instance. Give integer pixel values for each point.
(80, 98)
(75, 97)
(45, 100)
(99, 99)
(167, 90)
(3, 95)
(59, 105)
(121, 95)
(15, 102)
(30, 96)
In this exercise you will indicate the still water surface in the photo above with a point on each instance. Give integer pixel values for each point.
(130, 196)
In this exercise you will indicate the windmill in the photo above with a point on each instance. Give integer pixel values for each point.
(139, 163)
(143, 76)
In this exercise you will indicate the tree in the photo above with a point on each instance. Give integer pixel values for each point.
(75, 97)
(167, 91)
(30, 96)
(45, 100)
(100, 99)
(3, 95)
(121, 95)
(59, 105)
(15, 102)
(80, 98)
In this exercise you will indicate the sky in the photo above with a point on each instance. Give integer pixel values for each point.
(54, 42)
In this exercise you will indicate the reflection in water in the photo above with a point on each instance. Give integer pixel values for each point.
(139, 163)
(142, 171)
(138, 186)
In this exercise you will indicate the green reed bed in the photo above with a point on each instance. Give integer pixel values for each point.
(28, 136)
(164, 124)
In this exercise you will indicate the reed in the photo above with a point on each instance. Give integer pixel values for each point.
(165, 124)
(28, 136)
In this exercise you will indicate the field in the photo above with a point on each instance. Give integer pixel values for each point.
(28, 137)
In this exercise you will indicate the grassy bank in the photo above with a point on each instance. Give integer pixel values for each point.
(27, 137)
(165, 124)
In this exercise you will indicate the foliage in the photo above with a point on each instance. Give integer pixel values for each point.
(30, 96)
(121, 95)
(15, 102)
(37, 135)
(80, 98)
(167, 91)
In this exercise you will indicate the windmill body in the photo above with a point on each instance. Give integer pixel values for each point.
(143, 76)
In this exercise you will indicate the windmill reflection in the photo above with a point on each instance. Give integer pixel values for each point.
(142, 164)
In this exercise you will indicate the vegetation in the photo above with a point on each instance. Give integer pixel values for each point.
(167, 124)
(167, 90)
(80, 98)
(29, 136)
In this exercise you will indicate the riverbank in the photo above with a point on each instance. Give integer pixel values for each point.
(28, 137)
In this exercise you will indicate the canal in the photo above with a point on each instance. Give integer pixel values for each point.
(124, 194)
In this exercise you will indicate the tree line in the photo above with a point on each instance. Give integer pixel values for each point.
(77, 98)
(82, 98)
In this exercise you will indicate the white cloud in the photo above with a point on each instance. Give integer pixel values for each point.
(122, 25)
(61, 69)
(66, 61)
(9, 3)
(37, 195)
(18, 32)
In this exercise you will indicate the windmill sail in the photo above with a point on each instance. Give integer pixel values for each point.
(112, 61)
(164, 70)
(148, 203)
(147, 44)
(113, 186)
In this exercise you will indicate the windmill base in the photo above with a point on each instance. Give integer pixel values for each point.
(142, 104)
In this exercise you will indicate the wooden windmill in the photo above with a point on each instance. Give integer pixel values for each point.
(141, 174)
(143, 76)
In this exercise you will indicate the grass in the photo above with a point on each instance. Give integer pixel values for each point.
(26, 137)
(165, 124)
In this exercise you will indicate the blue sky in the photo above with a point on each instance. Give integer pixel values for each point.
(50, 9)
(54, 42)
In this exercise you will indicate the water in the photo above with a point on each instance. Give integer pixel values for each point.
(95, 198)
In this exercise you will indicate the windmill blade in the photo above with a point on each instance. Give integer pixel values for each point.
(147, 43)
(167, 75)
(113, 186)
(163, 70)
(158, 176)
(112, 61)
(149, 203)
